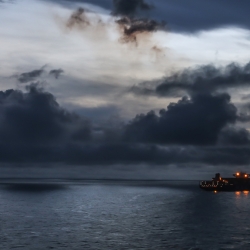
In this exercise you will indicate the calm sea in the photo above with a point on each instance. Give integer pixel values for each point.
(122, 215)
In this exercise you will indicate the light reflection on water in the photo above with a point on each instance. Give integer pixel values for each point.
(135, 215)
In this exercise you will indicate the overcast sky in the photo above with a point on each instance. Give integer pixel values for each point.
(124, 88)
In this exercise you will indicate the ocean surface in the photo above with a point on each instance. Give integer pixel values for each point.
(121, 215)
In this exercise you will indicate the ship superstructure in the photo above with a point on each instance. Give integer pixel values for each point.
(240, 182)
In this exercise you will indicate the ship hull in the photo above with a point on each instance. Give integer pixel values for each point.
(241, 182)
(226, 189)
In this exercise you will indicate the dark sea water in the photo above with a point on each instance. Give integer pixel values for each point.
(122, 215)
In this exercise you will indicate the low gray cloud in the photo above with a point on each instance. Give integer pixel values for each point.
(204, 79)
(120, 153)
(98, 114)
(7, 1)
(246, 97)
(78, 18)
(30, 76)
(244, 114)
(36, 74)
(56, 72)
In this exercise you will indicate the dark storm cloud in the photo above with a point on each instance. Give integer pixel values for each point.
(131, 27)
(36, 118)
(35, 129)
(192, 15)
(129, 7)
(205, 79)
(234, 136)
(30, 76)
(197, 121)
(56, 72)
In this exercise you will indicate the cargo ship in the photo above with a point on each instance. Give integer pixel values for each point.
(240, 182)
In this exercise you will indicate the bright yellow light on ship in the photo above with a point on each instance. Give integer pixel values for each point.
(237, 173)
(215, 191)
(245, 175)
(237, 193)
